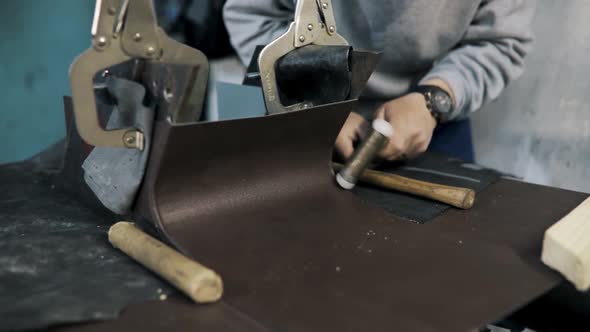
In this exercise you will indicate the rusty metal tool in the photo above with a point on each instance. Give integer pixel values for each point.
(459, 197)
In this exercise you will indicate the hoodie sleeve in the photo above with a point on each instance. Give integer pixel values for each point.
(490, 55)
(256, 22)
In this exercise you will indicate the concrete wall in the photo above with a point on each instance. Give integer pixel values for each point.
(38, 40)
(540, 128)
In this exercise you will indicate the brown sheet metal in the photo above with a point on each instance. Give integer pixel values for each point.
(255, 200)
(174, 314)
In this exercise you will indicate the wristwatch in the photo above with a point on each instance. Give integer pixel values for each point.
(438, 102)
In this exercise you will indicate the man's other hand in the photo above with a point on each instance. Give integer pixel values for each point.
(355, 129)
(412, 123)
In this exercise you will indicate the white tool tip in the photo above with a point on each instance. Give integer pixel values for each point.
(343, 183)
(383, 127)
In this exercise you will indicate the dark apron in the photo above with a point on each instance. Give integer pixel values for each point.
(451, 138)
(454, 139)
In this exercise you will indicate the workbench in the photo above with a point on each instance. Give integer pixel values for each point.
(333, 279)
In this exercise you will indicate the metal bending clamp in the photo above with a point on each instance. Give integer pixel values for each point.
(314, 24)
(125, 30)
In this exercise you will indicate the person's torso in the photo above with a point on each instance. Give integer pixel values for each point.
(410, 34)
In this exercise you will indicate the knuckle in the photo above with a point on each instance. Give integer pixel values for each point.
(380, 113)
(423, 147)
(387, 153)
(397, 146)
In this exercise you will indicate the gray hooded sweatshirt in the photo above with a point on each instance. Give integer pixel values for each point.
(476, 46)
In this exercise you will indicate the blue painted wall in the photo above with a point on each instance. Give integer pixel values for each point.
(38, 40)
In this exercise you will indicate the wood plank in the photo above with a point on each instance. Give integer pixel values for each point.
(566, 246)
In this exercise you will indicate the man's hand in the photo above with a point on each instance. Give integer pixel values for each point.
(355, 129)
(412, 123)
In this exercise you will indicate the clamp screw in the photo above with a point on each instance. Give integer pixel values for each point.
(130, 140)
(325, 5)
(302, 38)
(137, 37)
(151, 50)
(168, 95)
(310, 27)
(332, 29)
(102, 41)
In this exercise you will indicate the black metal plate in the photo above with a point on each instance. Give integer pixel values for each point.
(56, 264)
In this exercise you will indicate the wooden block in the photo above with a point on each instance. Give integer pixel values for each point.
(566, 246)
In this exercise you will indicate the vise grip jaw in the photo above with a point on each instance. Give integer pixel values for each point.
(313, 24)
(123, 30)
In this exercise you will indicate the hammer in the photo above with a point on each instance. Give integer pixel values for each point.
(355, 169)
(459, 197)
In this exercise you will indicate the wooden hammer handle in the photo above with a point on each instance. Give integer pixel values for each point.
(198, 282)
(462, 198)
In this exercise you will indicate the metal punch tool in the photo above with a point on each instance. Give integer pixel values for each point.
(314, 24)
(125, 30)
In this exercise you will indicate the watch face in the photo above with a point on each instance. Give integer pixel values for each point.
(442, 103)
